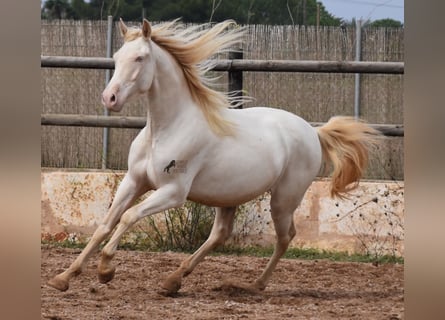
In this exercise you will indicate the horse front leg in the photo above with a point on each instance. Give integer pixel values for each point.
(128, 191)
(166, 197)
(221, 230)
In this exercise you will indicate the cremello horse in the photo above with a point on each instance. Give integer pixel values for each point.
(195, 147)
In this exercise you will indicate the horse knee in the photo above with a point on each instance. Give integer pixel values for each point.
(129, 217)
(103, 230)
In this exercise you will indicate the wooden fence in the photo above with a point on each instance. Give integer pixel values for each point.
(72, 120)
(246, 65)
(232, 66)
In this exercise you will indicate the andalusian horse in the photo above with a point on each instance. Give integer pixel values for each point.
(227, 156)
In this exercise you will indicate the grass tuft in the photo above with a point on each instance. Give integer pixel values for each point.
(309, 254)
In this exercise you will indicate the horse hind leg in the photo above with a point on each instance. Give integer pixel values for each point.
(221, 230)
(282, 210)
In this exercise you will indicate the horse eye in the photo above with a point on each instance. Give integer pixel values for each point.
(139, 59)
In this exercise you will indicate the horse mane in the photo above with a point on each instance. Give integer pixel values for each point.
(192, 47)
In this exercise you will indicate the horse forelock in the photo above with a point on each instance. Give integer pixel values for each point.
(132, 34)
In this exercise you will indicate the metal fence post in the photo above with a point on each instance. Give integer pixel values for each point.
(358, 50)
(236, 77)
(107, 79)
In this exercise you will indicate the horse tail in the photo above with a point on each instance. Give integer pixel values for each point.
(345, 144)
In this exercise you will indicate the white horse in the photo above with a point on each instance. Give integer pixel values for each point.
(195, 147)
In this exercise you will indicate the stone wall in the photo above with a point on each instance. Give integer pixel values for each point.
(372, 220)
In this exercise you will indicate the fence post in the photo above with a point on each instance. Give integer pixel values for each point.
(107, 79)
(236, 77)
(358, 50)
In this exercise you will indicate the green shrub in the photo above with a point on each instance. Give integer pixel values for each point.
(180, 229)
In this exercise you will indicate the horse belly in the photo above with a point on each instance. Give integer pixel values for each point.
(237, 177)
(231, 192)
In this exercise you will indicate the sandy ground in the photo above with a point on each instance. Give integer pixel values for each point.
(298, 289)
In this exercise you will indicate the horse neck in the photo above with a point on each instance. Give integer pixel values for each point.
(170, 100)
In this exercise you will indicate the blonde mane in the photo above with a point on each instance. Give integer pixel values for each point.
(191, 47)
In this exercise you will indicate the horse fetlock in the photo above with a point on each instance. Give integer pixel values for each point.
(184, 270)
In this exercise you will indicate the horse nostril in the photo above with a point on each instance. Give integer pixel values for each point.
(113, 98)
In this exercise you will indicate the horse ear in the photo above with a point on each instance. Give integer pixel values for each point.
(122, 27)
(146, 29)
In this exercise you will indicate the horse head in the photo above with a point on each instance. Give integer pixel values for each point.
(134, 67)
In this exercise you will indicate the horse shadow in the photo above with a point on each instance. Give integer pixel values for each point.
(240, 290)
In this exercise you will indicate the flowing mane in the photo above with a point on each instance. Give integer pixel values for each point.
(192, 47)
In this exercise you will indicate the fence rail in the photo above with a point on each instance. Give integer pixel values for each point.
(246, 65)
(230, 65)
(75, 120)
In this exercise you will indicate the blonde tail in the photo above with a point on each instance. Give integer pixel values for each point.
(345, 143)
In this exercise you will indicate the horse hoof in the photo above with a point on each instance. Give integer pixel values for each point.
(259, 286)
(238, 287)
(167, 293)
(106, 275)
(170, 287)
(58, 283)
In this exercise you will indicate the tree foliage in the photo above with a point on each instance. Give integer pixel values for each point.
(296, 12)
(388, 23)
(382, 23)
(57, 9)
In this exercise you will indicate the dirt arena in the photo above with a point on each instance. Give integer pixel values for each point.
(298, 289)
